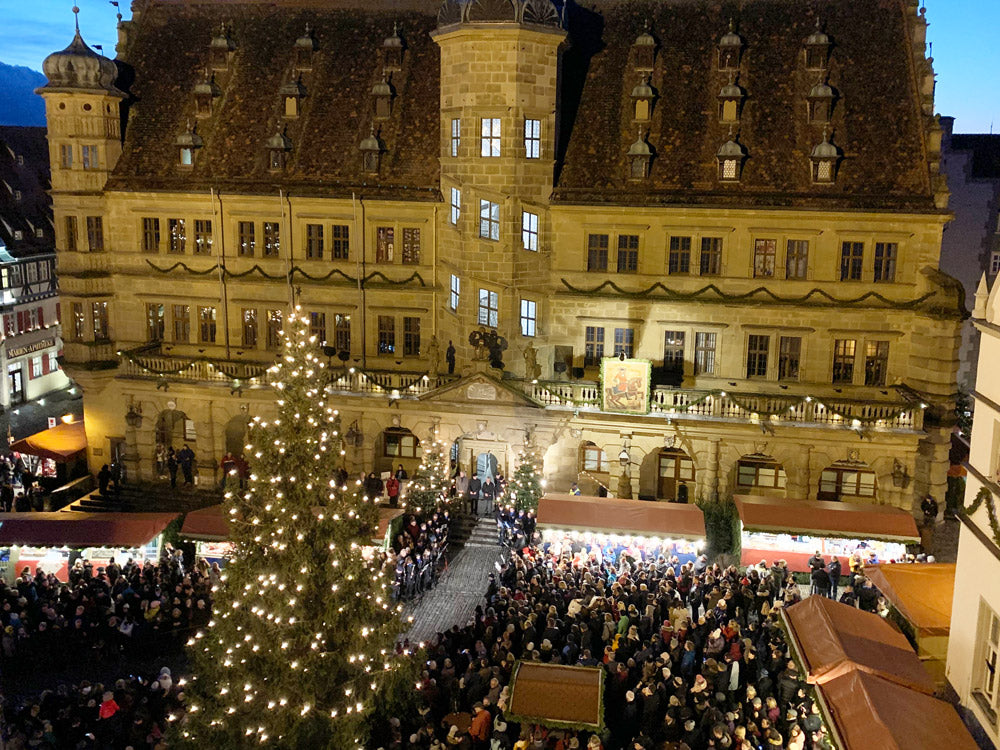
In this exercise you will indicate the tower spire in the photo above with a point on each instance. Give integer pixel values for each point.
(76, 18)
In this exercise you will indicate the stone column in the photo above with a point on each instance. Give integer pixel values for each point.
(712, 470)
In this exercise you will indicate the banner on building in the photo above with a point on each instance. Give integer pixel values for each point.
(625, 385)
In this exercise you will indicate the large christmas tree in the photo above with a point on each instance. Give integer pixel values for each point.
(431, 484)
(303, 629)
(524, 489)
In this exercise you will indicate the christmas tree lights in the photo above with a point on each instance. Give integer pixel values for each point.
(303, 626)
(430, 487)
(526, 486)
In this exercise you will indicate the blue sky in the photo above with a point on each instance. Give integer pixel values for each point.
(966, 63)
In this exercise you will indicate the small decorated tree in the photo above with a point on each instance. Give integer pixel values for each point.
(429, 488)
(303, 626)
(524, 489)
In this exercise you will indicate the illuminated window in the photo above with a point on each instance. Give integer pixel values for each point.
(273, 329)
(529, 230)
(704, 353)
(203, 236)
(529, 316)
(206, 325)
(456, 290)
(249, 327)
(763, 258)
(272, 239)
(876, 362)
(489, 308)
(490, 137)
(246, 239)
(342, 332)
(385, 244)
(411, 246)
(456, 205)
(533, 138)
(317, 326)
(489, 220)
(843, 360)
(99, 311)
(760, 471)
(456, 136)
(176, 235)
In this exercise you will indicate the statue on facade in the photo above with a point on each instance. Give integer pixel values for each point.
(489, 345)
(433, 354)
(532, 370)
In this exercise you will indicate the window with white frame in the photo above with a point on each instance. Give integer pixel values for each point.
(986, 676)
(456, 135)
(533, 139)
(529, 315)
(529, 230)
(490, 137)
(624, 341)
(456, 205)
(456, 292)
(489, 220)
(995, 262)
(489, 308)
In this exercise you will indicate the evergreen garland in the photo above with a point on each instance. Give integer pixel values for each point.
(985, 495)
(301, 638)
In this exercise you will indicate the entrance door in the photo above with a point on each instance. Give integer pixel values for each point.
(117, 452)
(675, 467)
(16, 386)
(486, 466)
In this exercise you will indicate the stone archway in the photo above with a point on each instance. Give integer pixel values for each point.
(236, 434)
(173, 429)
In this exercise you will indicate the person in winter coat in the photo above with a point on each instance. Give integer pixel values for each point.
(373, 485)
(833, 569)
(392, 491)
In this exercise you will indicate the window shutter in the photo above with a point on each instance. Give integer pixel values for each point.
(41, 317)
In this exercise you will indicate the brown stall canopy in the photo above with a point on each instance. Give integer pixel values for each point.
(922, 593)
(832, 639)
(826, 518)
(209, 524)
(61, 443)
(615, 516)
(557, 696)
(868, 712)
(63, 529)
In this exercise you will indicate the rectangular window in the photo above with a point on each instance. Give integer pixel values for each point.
(673, 352)
(150, 235)
(272, 239)
(314, 241)
(456, 205)
(885, 261)
(386, 334)
(340, 242)
(628, 253)
(679, 257)
(843, 360)
(757, 348)
(249, 327)
(533, 138)
(246, 238)
(89, 154)
(66, 156)
(411, 246)
(489, 220)
(342, 332)
(273, 329)
(594, 459)
(876, 362)
(207, 325)
(317, 326)
(711, 256)
(489, 308)
(176, 235)
(53, 362)
(95, 234)
(456, 136)
(400, 444)
(994, 259)
(182, 323)
(529, 317)
(851, 258)
(597, 252)
(411, 337)
(456, 292)
(529, 231)
(624, 341)
(789, 354)
(704, 353)
(99, 310)
(155, 321)
(593, 346)
(986, 672)
(797, 259)
(490, 137)
(203, 236)
(79, 321)
(71, 233)
(385, 244)
(763, 258)
(35, 368)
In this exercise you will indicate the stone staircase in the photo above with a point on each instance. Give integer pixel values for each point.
(484, 534)
(146, 497)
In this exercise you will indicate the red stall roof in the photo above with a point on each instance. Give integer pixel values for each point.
(921, 592)
(825, 518)
(210, 525)
(869, 712)
(65, 529)
(60, 443)
(615, 516)
(833, 639)
(556, 695)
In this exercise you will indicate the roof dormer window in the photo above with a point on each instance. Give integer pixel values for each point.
(644, 51)
(731, 102)
(642, 99)
(205, 94)
(221, 49)
(824, 159)
(305, 46)
(731, 157)
(371, 152)
(639, 156)
(730, 49)
(817, 49)
(187, 144)
(382, 93)
(392, 51)
(292, 94)
(821, 99)
(278, 146)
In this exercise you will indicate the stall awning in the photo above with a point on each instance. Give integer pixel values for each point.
(616, 516)
(209, 524)
(825, 518)
(921, 592)
(869, 712)
(61, 443)
(555, 695)
(64, 529)
(833, 639)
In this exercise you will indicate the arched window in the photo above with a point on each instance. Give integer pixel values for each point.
(759, 471)
(674, 470)
(846, 480)
(593, 459)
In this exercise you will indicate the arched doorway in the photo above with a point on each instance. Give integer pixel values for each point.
(847, 480)
(757, 473)
(173, 428)
(236, 433)
(675, 475)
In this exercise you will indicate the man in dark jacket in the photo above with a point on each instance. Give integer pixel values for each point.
(868, 597)
(489, 490)
(185, 457)
(474, 486)
(833, 569)
(820, 582)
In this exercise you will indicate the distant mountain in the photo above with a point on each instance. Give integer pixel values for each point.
(19, 104)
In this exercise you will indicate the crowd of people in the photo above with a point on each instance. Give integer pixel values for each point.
(515, 528)
(692, 653)
(419, 554)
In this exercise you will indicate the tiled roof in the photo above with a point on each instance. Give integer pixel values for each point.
(31, 179)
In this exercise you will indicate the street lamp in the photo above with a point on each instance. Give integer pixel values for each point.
(133, 417)
(624, 457)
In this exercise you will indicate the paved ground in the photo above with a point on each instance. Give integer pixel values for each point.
(454, 600)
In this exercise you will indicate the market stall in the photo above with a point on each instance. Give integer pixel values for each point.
(921, 595)
(610, 526)
(58, 452)
(53, 542)
(557, 696)
(774, 528)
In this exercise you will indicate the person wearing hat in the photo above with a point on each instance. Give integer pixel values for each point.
(479, 731)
